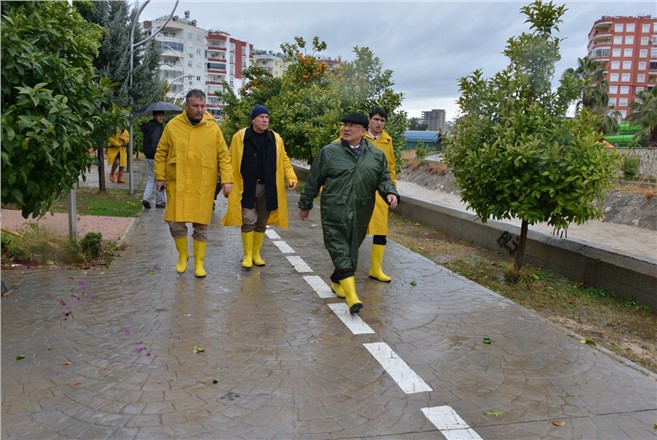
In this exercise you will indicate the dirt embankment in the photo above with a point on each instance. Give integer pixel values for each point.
(629, 206)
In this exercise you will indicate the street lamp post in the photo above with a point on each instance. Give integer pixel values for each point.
(134, 45)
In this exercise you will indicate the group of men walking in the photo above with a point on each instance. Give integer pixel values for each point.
(355, 175)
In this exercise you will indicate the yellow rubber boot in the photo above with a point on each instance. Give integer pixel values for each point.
(376, 259)
(337, 289)
(247, 244)
(349, 288)
(183, 256)
(258, 238)
(199, 258)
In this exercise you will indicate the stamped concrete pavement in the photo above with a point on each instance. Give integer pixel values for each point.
(136, 351)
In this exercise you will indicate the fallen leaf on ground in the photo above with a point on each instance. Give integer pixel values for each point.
(488, 340)
(557, 422)
(587, 341)
(20, 357)
(494, 412)
(198, 349)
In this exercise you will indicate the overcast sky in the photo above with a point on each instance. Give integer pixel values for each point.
(427, 45)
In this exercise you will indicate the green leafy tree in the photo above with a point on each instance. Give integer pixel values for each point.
(514, 154)
(53, 104)
(644, 114)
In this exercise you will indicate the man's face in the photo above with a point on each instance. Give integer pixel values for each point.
(195, 108)
(159, 117)
(377, 122)
(352, 133)
(260, 123)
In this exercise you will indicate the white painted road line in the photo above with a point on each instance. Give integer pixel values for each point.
(272, 234)
(283, 247)
(319, 286)
(352, 321)
(401, 373)
(450, 424)
(299, 264)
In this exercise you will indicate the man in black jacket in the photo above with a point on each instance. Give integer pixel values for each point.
(152, 131)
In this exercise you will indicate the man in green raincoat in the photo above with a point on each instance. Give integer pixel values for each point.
(350, 171)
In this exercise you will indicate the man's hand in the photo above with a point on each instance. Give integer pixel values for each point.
(293, 185)
(160, 185)
(392, 200)
(304, 213)
(226, 188)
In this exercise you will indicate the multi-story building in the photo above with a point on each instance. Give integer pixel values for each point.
(626, 47)
(273, 63)
(194, 58)
(435, 119)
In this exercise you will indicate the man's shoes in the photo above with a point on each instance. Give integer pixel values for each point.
(161, 205)
(146, 204)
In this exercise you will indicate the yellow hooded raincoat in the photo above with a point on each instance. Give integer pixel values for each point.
(284, 173)
(117, 146)
(379, 222)
(188, 158)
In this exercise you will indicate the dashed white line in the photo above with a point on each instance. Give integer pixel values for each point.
(319, 286)
(353, 322)
(401, 373)
(450, 424)
(272, 234)
(298, 263)
(283, 247)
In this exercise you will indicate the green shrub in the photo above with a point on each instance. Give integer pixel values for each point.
(92, 245)
(630, 166)
(421, 151)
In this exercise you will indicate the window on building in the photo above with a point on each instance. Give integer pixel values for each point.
(625, 77)
(615, 65)
(639, 89)
(653, 52)
(623, 114)
(618, 27)
(641, 78)
(613, 90)
(642, 65)
(627, 65)
(616, 52)
(645, 28)
(618, 40)
(630, 27)
(190, 36)
(198, 78)
(198, 65)
(622, 102)
(612, 102)
(613, 77)
(601, 53)
(189, 64)
(629, 39)
(625, 90)
(644, 41)
(627, 52)
(653, 65)
(198, 51)
(643, 53)
(654, 27)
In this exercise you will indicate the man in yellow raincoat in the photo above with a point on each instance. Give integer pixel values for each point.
(117, 155)
(191, 152)
(378, 226)
(261, 168)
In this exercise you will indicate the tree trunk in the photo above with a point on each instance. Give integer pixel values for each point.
(101, 168)
(520, 253)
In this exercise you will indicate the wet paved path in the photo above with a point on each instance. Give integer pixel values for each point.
(282, 359)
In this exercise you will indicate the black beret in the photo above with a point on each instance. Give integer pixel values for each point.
(356, 118)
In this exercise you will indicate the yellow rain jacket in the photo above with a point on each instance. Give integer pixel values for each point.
(117, 146)
(379, 222)
(188, 158)
(284, 173)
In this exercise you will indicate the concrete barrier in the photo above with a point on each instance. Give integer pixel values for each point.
(624, 276)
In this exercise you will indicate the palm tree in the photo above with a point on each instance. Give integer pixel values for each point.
(644, 114)
(594, 85)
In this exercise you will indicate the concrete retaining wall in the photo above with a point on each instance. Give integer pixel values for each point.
(647, 160)
(622, 275)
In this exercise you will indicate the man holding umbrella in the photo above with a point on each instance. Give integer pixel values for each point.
(152, 132)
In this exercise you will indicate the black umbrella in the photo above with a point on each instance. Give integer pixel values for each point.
(159, 106)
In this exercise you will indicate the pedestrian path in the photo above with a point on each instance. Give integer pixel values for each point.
(135, 351)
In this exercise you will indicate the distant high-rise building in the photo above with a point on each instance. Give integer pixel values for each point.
(435, 119)
(626, 47)
(194, 58)
(273, 63)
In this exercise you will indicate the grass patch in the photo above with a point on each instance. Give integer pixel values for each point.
(112, 203)
(620, 325)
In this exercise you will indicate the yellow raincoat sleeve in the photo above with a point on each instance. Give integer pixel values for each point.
(224, 162)
(379, 222)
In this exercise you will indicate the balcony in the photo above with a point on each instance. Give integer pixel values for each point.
(601, 37)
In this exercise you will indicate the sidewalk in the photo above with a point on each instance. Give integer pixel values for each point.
(136, 351)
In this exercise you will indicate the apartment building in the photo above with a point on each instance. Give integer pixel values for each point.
(435, 119)
(195, 58)
(626, 47)
(273, 63)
